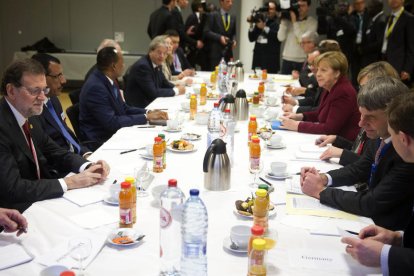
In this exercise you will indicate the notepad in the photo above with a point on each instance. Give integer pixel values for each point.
(293, 185)
(14, 254)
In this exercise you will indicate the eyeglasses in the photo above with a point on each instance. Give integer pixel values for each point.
(58, 76)
(36, 91)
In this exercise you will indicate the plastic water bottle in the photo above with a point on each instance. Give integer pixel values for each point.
(172, 200)
(222, 67)
(213, 125)
(194, 236)
(222, 85)
(227, 133)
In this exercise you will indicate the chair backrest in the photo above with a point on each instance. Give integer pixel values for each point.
(73, 114)
(74, 96)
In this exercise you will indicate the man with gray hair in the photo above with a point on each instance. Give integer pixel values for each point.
(145, 81)
(388, 199)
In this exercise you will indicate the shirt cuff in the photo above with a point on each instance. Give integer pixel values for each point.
(329, 180)
(176, 91)
(295, 108)
(384, 259)
(266, 29)
(84, 166)
(63, 184)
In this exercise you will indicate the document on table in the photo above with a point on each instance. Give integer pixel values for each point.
(305, 205)
(94, 218)
(13, 254)
(312, 148)
(293, 185)
(89, 195)
(317, 259)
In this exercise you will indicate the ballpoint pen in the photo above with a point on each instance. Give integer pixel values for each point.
(122, 152)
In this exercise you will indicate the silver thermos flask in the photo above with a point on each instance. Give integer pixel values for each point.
(242, 106)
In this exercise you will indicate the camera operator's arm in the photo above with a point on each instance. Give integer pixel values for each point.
(255, 30)
(282, 33)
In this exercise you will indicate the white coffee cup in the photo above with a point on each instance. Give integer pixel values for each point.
(114, 190)
(240, 235)
(185, 106)
(278, 168)
(172, 124)
(275, 140)
(271, 101)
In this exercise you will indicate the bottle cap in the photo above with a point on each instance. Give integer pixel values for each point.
(216, 104)
(256, 140)
(227, 111)
(130, 179)
(256, 93)
(203, 84)
(194, 192)
(125, 185)
(172, 183)
(67, 273)
(157, 139)
(264, 187)
(162, 136)
(261, 192)
(193, 96)
(257, 230)
(224, 73)
(259, 244)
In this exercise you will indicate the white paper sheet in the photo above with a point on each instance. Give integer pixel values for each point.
(312, 148)
(94, 218)
(293, 185)
(317, 259)
(308, 155)
(86, 196)
(311, 204)
(61, 253)
(13, 254)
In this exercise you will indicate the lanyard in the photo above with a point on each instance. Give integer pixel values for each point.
(226, 26)
(394, 21)
(374, 166)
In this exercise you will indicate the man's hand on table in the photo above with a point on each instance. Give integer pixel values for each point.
(331, 152)
(96, 173)
(325, 139)
(181, 89)
(312, 182)
(13, 221)
(157, 115)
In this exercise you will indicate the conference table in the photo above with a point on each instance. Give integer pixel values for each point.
(306, 244)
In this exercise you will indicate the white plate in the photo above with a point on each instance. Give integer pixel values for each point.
(183, 151)
(144, 155)
(227, 243)
(277, 177)
(191, 136)
(130, 232)
(280, 146)
(172, 130)
(271, 213)
(111, 201)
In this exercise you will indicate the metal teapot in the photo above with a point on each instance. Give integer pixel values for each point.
(216, 167)
(241, 106)
(239, 71)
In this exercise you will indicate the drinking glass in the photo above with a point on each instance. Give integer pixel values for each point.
(266, 135)
(141, 175)
(256, 170)
(80, 248)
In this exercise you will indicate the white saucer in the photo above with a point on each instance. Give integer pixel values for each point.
(271, 213)
(191, 136)
(181, 151)
(280, 146)
(172, 130)
(278, 177)
(227, 243)
(145, 155)
(130, 232)
(109, 200)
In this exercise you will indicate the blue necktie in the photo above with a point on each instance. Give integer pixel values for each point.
(65, 133)
(115, 91)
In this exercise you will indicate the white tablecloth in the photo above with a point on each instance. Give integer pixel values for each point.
(49, 221)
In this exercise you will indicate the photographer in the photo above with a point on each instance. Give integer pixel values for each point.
(295, 22)
(264, 25)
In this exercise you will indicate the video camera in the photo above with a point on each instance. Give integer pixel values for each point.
(285, 6)
(258, 15)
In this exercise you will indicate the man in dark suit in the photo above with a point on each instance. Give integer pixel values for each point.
(146, 82)
(102, 110)
(53, 118)
(266, 53)
(398, 43)
(389, 198)
(220, 34)
(377, 246)
(161, 19)
(180, 64)
(25, 149)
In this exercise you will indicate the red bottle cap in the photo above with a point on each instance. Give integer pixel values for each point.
(216, 104)
(257, 230)
(157, 139)
(125, 185)
(67, 273)
(172, 183)
(227, 111)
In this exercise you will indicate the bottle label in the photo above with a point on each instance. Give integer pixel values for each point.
(254, 163)
(165, 218)
(158, 161)
(125, 216)
(194, 250)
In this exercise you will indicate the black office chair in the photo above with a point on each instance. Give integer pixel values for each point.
(74, 96)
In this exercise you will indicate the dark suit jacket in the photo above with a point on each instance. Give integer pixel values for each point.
(160, 21)
(389, 198)
(401, 259)
(145, 84)
(183, 60)
(185, 39)
(214, 29)
(101, 114)
(400, 48)
(194, 55)
(349, 154)
(266, 55)
(337, 113)
(19, 185)
(371, 45)
(52, 129)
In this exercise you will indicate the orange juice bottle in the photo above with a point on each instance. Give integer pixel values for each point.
(252, 128)
(264, 74)
(257, 233)
(131, 180)
(164, 154)
(256, 98)
(125, 206)
(193, 107)
(257, 258)
(261, 209)
(203, 94)
(261, 90)
(254, 153)
(158, 150)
